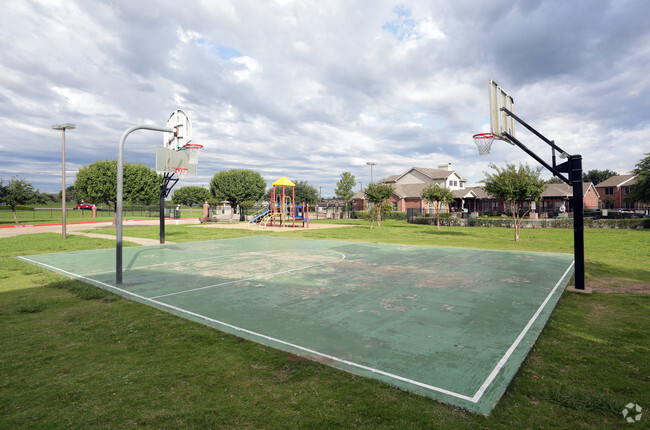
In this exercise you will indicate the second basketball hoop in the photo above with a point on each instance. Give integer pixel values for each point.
(484, 141)
(193, 151)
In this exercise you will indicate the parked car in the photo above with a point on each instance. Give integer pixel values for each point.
(84, 206)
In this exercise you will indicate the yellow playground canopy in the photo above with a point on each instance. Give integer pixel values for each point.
(283, 181)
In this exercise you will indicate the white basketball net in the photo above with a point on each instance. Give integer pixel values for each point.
(193, 151)
(483, 142)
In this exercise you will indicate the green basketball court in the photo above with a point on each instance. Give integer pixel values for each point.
(449, 323)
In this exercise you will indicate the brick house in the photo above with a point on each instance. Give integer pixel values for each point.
(614, 191)
(409, 186)
(553, 197)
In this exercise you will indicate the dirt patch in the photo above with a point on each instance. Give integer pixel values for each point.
(618, 285)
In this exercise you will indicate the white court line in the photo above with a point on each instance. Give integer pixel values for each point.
(193, 260)
(265, 275)
(243, 330)
(519, 338)
(474, 399)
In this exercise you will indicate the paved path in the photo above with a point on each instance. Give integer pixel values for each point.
(74, 229)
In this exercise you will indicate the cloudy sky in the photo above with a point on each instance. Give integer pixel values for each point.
(310, 89)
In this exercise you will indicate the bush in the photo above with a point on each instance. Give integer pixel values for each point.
(394, 215)
(18, 208)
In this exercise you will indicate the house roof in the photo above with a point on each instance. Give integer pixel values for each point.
(406, 191)
(464, 194)
(434, 174)
(564, 190)
(480, 192)
(552, 190)
(618, 180)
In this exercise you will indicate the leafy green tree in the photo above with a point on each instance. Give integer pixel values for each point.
(439, 196)
(69, 194)
(597, 176)
(377, 194)
(97, 183)
(344, 187)
(640, 192)
(190, 195)
(17, 192)
(306, 193)
(236, 186)
(513, 186)
(556, 180)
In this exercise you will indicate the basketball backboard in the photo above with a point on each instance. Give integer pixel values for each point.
(168, 161)
(180, 122)
(500, 122)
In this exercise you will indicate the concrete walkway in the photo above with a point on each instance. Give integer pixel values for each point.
(74, 229)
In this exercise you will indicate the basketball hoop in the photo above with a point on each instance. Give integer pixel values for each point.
(181, 172)
(484, 141)
(193, 152)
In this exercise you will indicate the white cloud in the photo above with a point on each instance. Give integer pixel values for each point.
(310, 89)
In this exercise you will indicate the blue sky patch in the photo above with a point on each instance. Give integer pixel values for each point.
(223, 52)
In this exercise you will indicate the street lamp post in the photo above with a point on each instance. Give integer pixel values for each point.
(371, 163)
(63, 128)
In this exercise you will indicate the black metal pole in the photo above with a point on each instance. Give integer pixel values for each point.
(162, 212)
(575, 176)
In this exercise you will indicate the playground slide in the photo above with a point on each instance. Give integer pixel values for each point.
(258, 217)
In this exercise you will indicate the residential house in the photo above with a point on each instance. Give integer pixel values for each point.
(409, 186)
(553, 197)
(614, 191)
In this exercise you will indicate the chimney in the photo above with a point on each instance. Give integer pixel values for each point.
(445, 166)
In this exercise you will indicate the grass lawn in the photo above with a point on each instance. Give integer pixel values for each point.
(76, 356)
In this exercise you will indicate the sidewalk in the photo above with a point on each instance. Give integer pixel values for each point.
(74, 229)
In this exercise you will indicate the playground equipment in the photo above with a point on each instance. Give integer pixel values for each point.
(282, 210)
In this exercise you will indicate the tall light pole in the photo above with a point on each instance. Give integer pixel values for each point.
(371, 163)
(63, 128)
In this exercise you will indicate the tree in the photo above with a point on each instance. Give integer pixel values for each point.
(377, 194)
(97, 183)
(306, 193)
(514, 186)
(640, 192)
(236, 186)
(597, 176)
(555, 180)
(69, 194)
(17, 192)
(439, 196)
(190, 195)
(344, 187)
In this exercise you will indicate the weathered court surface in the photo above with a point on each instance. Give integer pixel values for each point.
(449, 323)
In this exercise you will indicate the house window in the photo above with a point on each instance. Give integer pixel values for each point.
(543, 206)
(609, 191)
(394, 206)
(495, 206)
(430, 207)
(627, 190)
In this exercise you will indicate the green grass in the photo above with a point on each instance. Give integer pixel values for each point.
(76, 356)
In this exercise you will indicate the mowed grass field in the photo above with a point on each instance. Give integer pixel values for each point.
(76, 356)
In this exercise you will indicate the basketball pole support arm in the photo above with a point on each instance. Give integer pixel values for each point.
(573, 166)
(120, 193)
